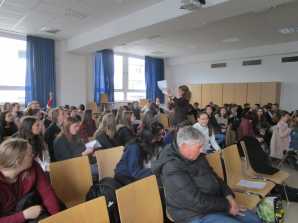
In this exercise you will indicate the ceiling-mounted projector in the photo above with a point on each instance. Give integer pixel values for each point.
(192, 4)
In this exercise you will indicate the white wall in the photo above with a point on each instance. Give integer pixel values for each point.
(196, 69)
(73, 76)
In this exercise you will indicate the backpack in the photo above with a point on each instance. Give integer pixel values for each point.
(106, 187)
(270, 210)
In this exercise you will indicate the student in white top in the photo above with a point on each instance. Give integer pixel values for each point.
(202, 126)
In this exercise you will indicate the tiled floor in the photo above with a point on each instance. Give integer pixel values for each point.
(292, 213)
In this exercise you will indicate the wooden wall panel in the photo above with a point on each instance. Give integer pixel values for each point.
(240, 93)
(196, 91)
(216, 90)
(206, 94)
(254, 93)
(270, 92)
(228, 92)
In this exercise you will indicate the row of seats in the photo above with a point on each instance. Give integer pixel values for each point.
(137, 202)
(71, 179)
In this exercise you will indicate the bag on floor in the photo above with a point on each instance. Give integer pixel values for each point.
(106, 187)
(270, 210)
(286, 192)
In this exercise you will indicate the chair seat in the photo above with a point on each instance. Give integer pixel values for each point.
(262, 192)
(277, 178)
(246, 200)
(73, 203)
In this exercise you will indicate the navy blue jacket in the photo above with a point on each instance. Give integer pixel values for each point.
(130, 165)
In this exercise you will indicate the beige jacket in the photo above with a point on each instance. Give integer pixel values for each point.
(280, 140)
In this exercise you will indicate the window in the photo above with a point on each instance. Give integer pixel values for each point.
(12, 70)
(129, 78)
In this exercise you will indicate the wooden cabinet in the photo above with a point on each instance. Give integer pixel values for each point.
(196, 93)
(254, 93)
(238, 93)
(270, 92)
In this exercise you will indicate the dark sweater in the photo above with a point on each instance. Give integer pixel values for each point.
(105, 141)
(130, 165)
(181, 111)
(124, 135)
(64, 149)
(32, 179)
(50, 136)
(192, 188)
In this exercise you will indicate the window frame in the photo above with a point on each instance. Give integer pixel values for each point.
(125, 80)
(11, 87)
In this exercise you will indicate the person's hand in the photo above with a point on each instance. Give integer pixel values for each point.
(32, 212)
(234, 208)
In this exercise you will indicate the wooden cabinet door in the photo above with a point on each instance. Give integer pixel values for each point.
(216, 90)
(240, 93)
(196, 93)
(228, 92)
(254, 93)
(270, 92)
(206, 94)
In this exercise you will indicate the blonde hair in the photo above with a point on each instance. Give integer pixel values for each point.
(107, 125)
(12, 152)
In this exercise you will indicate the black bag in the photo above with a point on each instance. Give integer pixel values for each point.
(106, 187)
(286, 192)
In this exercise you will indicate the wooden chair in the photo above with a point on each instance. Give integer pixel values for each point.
(140, 202)
(164, 119)
(107, 160)
(94, 211)
(277, 178)
(247, 200)
(71, 179)
(235, 173)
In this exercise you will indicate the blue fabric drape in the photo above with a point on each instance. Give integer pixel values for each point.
(40, 71)
(154, 71)
(104, 75)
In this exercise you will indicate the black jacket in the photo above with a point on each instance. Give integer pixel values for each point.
(105, 141)
(181, 111)
(124, 135)
(64, 149)
(191, 188)
(50, 136)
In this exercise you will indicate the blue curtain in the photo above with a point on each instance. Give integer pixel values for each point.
(40, 71)
(154, 71)
(104, 75)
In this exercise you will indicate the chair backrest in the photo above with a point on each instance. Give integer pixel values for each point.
(71, 179)
(164, 119)
(232, 163)
(140, 202)
(214, 161)
(107, 160)
(94, 211)
(248, 168)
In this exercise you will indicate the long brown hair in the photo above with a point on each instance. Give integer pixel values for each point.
(66, 129)
(186, 93)
(107, 125)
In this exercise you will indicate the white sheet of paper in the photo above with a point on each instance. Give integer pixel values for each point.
(93, 144)
(162, 85)
(251, 184)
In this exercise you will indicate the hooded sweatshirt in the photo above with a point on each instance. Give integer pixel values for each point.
(192, 189)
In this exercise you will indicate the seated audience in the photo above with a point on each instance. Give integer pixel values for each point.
(294, 134)
(6, 107)
(8, 125)
(136, 110)
(68, 143)
(124, 129)
(87, 127)
(210, 143)
(280, 140)
(194, 193)
(136, 159)
(31, 130)
(54, 129)
(105, 134)
(20, 179)
(16, 113)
